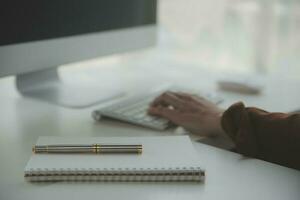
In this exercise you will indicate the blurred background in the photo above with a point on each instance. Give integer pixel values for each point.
(257, 37)
(250, 36)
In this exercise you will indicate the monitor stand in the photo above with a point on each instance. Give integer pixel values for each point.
(46, 86)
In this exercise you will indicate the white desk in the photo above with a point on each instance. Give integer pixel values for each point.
(229, 176)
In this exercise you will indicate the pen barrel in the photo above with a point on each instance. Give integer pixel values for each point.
(119, 149)
(64, 149)
(95, 148)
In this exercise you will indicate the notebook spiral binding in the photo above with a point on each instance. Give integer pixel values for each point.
(193, 174)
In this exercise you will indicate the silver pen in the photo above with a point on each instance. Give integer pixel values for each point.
(92, 148)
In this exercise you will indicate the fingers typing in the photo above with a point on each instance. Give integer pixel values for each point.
(168, 99)
(164, 112)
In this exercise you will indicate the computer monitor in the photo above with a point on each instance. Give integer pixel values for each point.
(38, 36)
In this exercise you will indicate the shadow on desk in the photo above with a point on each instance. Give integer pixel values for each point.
(217, 142)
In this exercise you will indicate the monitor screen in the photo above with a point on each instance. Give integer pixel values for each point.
(33, 20)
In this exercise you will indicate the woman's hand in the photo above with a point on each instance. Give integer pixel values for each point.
(194, 113)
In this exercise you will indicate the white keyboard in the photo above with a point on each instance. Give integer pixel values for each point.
(134, 111)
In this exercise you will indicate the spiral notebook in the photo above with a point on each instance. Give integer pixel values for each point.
(165, 158)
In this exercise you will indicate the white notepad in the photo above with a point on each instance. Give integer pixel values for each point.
(165, 158)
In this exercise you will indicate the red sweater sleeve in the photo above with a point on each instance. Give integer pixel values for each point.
(274, 137)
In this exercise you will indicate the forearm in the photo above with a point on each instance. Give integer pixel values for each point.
(273, 137)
